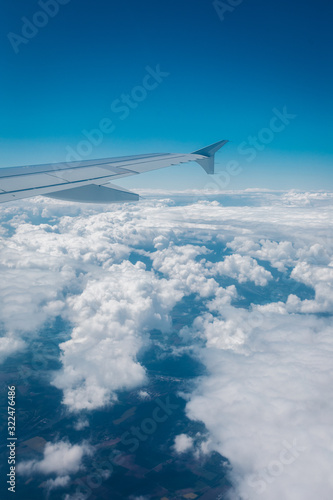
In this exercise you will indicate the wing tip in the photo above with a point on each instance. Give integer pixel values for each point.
(211, 149)
(208, 163)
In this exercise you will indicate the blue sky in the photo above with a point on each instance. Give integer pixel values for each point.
(222, 79)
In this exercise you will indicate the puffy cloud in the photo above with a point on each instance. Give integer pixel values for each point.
(111, 318)
(243, 269)
(321, 279)
(183, 443)
(10, 345)
(161, 242)
(279, 254)
(179, 263)
(306, 199)
(269, 394)
(81, 424)
(59, 458)
(316, 254)
(282, 254)
(218, 332)
(143, 395)
(40, 262)
(59, 482)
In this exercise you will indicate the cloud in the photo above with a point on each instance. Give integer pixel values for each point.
(320, 278)
(243, 269)
(76, 496)
(40, 262)
(10, 345)
(180, 264)
(278, 254)
(59, 482)
(81, 424)
(144, 395)
(111, 318)
(77, 266)
(306, 199)
(268, 386)
(183, 443)
(269, 394)
(59, 458)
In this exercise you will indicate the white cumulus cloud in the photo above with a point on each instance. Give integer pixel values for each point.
(243, 269)
(183, 443)
(59, 458)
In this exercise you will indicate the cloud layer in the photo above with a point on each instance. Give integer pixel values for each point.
(116, 273)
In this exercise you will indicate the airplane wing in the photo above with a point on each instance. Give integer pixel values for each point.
(89, 181)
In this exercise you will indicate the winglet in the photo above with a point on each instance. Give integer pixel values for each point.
(209, 152)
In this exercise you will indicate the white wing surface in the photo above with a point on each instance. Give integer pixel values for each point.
(89, 181)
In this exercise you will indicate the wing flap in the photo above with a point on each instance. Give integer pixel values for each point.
(92, 193)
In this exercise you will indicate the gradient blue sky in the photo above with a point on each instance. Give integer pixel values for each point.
(225, 79)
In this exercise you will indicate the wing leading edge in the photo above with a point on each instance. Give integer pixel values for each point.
(89, 181)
